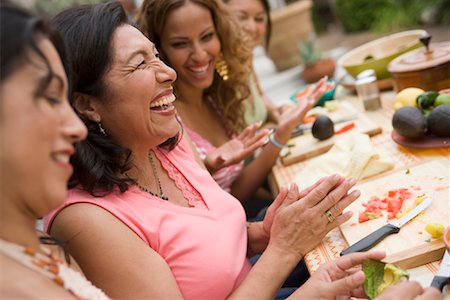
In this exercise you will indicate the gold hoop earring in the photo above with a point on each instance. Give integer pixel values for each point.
(222, 68)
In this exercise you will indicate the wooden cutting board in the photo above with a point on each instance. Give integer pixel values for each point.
(412, 246)
(306, 146)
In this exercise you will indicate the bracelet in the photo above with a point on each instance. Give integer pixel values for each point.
(274, 141)
(250, 251)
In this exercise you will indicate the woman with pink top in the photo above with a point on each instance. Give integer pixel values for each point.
(210, 53)
(143, 219)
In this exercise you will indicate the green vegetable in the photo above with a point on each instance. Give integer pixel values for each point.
(426, 100)
(442, 99)
(380, 276)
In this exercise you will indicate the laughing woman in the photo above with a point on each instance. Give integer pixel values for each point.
(194, 36)
(143, 219)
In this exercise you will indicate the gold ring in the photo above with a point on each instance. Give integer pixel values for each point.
(329, 216)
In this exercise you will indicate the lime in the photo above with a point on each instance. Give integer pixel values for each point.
(426, 100)
(442, 99)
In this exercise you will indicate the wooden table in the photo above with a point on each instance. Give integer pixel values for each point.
(334, 242)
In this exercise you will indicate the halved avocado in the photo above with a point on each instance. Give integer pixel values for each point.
(323, 128)
(380, 276)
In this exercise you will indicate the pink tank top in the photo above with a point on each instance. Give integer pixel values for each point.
(204, 245)
(225, 176)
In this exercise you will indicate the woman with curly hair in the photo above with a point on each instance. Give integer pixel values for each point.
(211, 55)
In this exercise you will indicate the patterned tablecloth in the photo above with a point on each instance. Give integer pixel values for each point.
(334, 242)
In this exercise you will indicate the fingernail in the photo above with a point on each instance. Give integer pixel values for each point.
(352, 181)
(335, 177)
(357, 193)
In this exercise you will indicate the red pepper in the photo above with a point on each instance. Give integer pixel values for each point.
(346, 128)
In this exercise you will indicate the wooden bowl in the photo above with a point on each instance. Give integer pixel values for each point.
(382, 50)
(428, 69)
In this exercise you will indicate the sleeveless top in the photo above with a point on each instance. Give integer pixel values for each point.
(255, 108)
(204, 245)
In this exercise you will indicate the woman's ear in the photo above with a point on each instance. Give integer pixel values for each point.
(87, 106)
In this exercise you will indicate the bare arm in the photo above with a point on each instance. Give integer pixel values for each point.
(296, 225)
(112, 256)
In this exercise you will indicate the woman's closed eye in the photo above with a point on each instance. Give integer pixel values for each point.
(179, 45)
(208, 36)
(53, 101)
(141, 65)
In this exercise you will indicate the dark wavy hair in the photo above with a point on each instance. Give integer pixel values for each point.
(20, 31)
(99, 163)
(229, 95)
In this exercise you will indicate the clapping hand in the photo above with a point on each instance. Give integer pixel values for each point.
(236, 149)
(302, 219)
(293, 115)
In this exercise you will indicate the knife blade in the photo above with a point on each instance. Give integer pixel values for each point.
(394, 227)
(442, 276)
(300, 129)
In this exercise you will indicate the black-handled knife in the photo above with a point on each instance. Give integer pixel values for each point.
(394, 227)
(442, 276)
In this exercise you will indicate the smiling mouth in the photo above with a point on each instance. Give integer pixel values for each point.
(199, 70)
(61, 157)
(163, 104)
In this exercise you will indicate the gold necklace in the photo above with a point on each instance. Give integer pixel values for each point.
(155, 174)
(48, 265)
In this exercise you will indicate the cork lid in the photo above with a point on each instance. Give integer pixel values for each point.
(432, 55)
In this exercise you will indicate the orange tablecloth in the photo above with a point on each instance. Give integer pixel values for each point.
(334, 242)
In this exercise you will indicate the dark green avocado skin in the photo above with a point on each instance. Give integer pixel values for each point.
(323, 128)
(409, 122)
(439, 121)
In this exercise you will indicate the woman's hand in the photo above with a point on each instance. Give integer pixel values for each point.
(236, 149)
(300, 223)
(409, 290)
(259, 232)
(293, 115)
(338, 279)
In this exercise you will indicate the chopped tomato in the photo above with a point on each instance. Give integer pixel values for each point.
(362, 217)
(392, 204)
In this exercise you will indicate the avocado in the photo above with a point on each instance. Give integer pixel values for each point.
(409, 122)
(438, 121)
(380, 276)
(323, 128)
(426, 100)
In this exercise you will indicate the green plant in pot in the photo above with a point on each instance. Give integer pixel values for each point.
(315, 66)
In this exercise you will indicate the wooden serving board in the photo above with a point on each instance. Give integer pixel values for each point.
(412, 246)
(306, 146)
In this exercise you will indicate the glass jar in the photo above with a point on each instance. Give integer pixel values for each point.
(367, 89)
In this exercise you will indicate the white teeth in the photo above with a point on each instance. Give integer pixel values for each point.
(165, 101)
(199, 69)
(61, 157)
